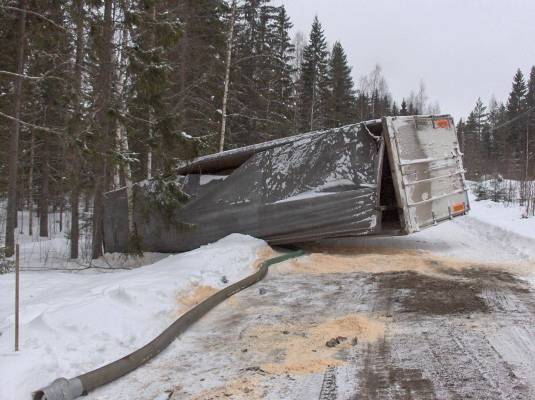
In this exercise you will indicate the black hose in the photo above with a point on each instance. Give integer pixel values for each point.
(70, 389)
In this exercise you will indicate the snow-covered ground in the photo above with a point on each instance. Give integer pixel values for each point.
(75, 321)
(72, 323)
(490, 233)
(507, 218)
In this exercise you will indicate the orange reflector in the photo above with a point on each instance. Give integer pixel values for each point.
(458, 208)
(442, 123)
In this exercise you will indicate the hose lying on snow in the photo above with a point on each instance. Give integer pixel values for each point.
(70, 389)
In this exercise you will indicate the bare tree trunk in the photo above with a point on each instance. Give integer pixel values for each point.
(44, 193)
(75, 218)
(527, 148)
(86, 201)
(30, 186)
(122, 138)
(149, 151)
(102, 102)
(230, 41)
(312, 107)
(61, 207)
(20, 199)
(184, 45)
(75, 175)
(151, 148)
(11, 217)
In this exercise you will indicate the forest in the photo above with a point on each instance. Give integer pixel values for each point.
(97, 94)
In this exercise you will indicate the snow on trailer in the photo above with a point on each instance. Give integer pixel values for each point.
(392, 176)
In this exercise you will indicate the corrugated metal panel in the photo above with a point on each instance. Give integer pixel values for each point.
(316, 186)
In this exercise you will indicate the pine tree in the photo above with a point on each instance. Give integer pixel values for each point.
(341, 102)
(313, 85)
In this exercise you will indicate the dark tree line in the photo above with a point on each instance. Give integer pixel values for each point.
(97, 94)
(499, 138)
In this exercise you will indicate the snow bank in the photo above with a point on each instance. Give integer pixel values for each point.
(499, 215)
(72, 323)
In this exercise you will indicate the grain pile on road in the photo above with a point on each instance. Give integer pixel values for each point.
(382, 260)
(301, 348)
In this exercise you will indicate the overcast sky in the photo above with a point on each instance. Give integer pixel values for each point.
(462, 49)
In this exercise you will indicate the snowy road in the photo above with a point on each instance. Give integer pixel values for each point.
(412, 322)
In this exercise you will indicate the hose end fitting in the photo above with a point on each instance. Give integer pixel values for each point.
(60, 389)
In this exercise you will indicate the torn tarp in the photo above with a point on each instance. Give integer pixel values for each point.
(304, 188)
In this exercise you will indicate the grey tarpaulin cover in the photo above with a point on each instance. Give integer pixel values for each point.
(304, 188)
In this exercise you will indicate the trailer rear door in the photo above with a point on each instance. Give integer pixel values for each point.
(427, 169)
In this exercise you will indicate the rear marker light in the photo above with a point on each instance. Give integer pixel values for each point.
(458, 208)
(442, 123)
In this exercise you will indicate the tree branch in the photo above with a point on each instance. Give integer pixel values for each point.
(41, 128)
(15, 75)
(37, 15)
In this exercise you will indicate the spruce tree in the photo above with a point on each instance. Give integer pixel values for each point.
(516, 105)
(403, 110)
(385, 106)
(49, 101)
(341, 103)
(11, 215)
(245, 117)
(477, 141)
(313, 87)
(460, 136)
(472, 147)
(530, 105)
(395, 109)
(274, 71)
(154, 34)
(254, 102)
(363, 105)
(283, 95)
(530, 96)
(198, 61)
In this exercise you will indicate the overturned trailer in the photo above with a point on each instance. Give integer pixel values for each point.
(393, 176)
